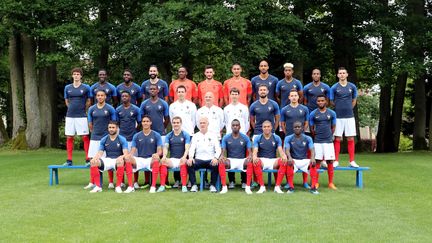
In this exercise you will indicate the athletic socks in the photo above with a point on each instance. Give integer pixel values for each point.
(69, 147)
(305, 177)
(129, 172)
(258, 173)
(183, 174)
(94, 171)
(155, 172)
(351, 150)
(249, 173)
(222, 173)
(120, 173)
(163, 174)
(330, 171)
(290, 173)
(336, 144)
(314, 176)
(111, 176)
(281, 173)
(86, 141)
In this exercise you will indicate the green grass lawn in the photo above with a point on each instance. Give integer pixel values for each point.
(395, 205)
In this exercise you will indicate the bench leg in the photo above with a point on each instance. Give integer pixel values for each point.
(269, 180)
(56, 176)
(101, 178)
(218, 183)
(51, 177)
(359, 179)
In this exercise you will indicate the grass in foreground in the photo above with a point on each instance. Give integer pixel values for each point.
(395, 205)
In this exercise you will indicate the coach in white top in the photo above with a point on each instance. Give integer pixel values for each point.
(204, 152)
(236, 110)
(214, 114)
(185, 109)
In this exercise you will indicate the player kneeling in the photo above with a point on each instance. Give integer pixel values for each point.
(116, 149)
(296, 148)
(237, 147)
(265, 148)
(178, 142)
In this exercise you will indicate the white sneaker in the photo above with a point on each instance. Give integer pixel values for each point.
(224, 190)
(152, 189)
(89, 186)
(231, 185)
(213, 188)
(96, 189)
(323, 164)
(335, 164)
(129, 190)
(277, 189)
(136, 185)
(122, 185)
(111, 186)
(118, 189)
(261, 190)
(248, 190)
(354, 164)
(194, 188)
(176, 184)
(243, 185)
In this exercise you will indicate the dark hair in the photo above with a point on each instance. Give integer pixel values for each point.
(128, 70)
(235, 120)
(126, 92)
(236, 63)
(146, 116)
(181, 87)
(101, 90)
(154, 85)
(103, 70)
(153, 66)
(293, 90)
(342, 68)
(263, 85)
(113, 123)
(234, 90)
(321, 95)
(77, 70)
(177, 118)
(208, 67)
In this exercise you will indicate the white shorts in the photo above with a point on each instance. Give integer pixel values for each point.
(324, 151)
(76, 126)
(142, 163)
(175, 163)
(109, 164)
(236, 164)
(93, 148)
(346, 125)
(301, 164)
(268, 164)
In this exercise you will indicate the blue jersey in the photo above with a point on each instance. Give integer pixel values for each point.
(77, 98)
(128, 120)
(100, 117)
(162, 85)
(267, 148)
(290, 114)
(311, 92)
(177, 143)
(298, 146)
(283, 88)
(113, 148)
(110, 91)
(157, 111)
(262, 113)
(146, 145)
(271, 83)
(343, 97)
(323, 122)
(134, 90)
(236, 147)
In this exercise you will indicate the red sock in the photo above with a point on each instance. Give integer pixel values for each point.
(120, 172)
(249, 173)
(351, 150)
(86, 141)
(111, 176)
(163, 174)
(281, 174)
(146, 177)
(129, 172)
(259, 173)
(155, 172)
(94, 170)
(290, 173)
(305, 177)
(136, 176)
(69, 147)
(330, 172)
(317, 166)
(275, 175)
(222, 173)
(314, 176)
(183, 174)
(337, 148)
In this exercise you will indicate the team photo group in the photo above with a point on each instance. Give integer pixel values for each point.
(239, 124)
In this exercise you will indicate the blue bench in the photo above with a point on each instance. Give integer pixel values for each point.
(201, 171)
(359, 173)
(54, 172)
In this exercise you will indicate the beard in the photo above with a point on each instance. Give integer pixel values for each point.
(263, 96)
(153, 76)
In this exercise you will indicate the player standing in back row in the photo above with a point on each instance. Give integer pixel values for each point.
(264, 78)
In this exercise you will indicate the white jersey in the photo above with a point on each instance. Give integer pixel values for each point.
(205, 146)
(215, 116)
(187, 111)
(239, 112)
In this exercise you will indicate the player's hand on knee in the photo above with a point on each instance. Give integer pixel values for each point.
(183, 160)
(214, 162)
(190, 162)
(255, 160)
(155, 157)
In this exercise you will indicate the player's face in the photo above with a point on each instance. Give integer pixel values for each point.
(316, 75)
(176, 124)
(146, 123)
(203, 125)
(288, 72)
(263, 92)
(298, 128)
(342, 75)
(153, 90)
(182, 73)
(293, 97)
(125, 98)
(263, 67)
(76, 76)
(102, 75)
(181, 93)
(234, 96)
(267, 128)
(235, 126)
(112, 129)
(236, 70)
(127, 76)
(209, 73)
(208, 98)
(321, 102)
(153, 72)
(100, 97)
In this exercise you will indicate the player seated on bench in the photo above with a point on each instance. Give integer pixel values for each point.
(115, 147)
(178, 143)
(147, 145)
(237, 147)
(296, 148)
(265, 148)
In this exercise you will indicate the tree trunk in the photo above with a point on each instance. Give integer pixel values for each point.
(102, 59)
(419, 136)
(397, 110)
(33, 131)
(17, 85)
(3, 134)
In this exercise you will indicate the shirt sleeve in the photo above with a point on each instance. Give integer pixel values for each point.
(166, 108)
(256, 141)
(123, 142)
(65, 94)
(138, 111)
(223, 144)
(171, 90)
(332, 90)
(89, 114)
(354, 93)
(246, 118)
(251, 109)
(221, 93)
(193, 147)
(278, 140)
(91, 95)
(159, 142)
(134, 138)
(194, 89)
(282, 114)
(287, 144)
(333, 121)
(102, 144)
(248, 141)
(187, 137)
(217, 146)
(276, 108)
(299, 85)
(249, 87)
(165, 89)
(310, 142)
(167, 138)
(113, 114)
(221, 119)
(311, 118)
(113, 90)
